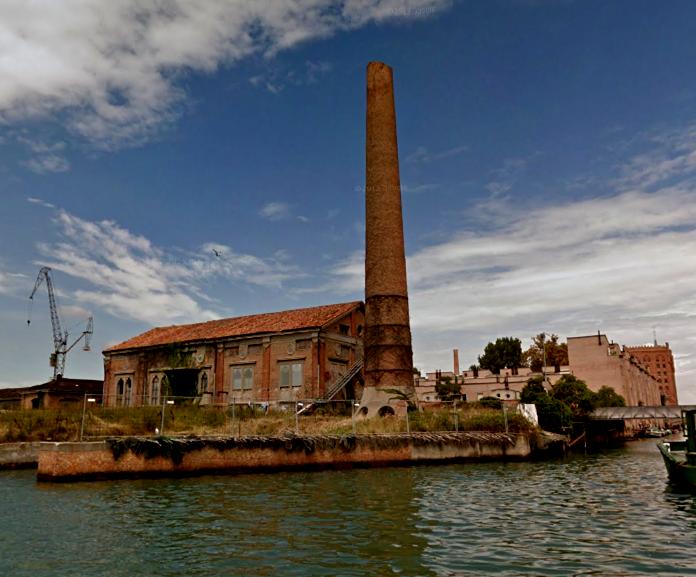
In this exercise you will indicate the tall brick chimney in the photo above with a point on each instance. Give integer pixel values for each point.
(388, 353)
(455, 354)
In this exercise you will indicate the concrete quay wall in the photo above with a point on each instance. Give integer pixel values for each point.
(98, 460)
(19, 455)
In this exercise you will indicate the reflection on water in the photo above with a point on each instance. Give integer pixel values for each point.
(609, 514)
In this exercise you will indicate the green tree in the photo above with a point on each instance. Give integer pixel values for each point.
(400, 395)
(447, 390)
(491, 402)
(608, 397)
(554, 415)
(574, 393)
(556, 353)
(505, 352)
(532, 390)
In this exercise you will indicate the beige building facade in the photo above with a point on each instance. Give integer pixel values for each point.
(474, 385)
(601, 363)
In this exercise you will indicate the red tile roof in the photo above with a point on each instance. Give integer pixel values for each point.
(314, 317)
(60, 385)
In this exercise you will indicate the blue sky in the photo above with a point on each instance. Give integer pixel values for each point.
(548, 164)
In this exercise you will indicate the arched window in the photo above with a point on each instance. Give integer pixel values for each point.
(119, 393)
(164, 386)
(127, 393)
(155, 391)
(204, 384)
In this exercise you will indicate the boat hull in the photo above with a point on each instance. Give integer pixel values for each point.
(679, 471)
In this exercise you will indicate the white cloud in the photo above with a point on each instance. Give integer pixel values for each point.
(221, 260)
(126, 275)
(423, 155)
(11, 283)
(47, 157)
(275, 210)
(671, 154)
(622, 264)
(275, 80)
(40, 202)
(111, 70)
(48, 163)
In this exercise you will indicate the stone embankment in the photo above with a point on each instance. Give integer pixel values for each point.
(148, 457)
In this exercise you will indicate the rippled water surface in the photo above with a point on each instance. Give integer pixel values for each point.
(609, 514)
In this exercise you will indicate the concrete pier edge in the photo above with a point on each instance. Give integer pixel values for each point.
(60, 462)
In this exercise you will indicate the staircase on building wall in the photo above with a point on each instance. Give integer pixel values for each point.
(336, 388)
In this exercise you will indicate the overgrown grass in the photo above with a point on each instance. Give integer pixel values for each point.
(64, 424)
(39, 425)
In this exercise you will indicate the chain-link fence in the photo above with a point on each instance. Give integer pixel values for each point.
(99, 417)
(109, 417)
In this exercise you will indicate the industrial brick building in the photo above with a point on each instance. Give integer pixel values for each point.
(659, 362)
(57, 393)
(274, 357)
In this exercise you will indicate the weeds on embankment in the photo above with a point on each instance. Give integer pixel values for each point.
(67, 424)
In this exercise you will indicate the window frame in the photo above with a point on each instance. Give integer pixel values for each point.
(246, 382)
(294, 369)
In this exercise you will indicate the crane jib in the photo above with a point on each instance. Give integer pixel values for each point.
(60, 337)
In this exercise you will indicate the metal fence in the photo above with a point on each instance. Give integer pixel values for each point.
(104, 417)
(98, 417)
(112, 417)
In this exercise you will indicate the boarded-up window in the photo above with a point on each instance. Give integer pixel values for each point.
(291, 374)
(243, 377)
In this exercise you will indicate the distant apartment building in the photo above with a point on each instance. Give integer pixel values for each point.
(641, 375)
(659, 362)
(601, 363)
(474, 385)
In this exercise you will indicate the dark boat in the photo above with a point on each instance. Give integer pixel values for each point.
(680, 456)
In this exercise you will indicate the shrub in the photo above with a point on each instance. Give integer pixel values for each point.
(491, 403)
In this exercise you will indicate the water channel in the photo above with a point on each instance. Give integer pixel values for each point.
(610, 514)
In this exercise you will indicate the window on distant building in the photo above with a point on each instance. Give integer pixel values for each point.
(291, 374)
(243, 377)
(344, 329)
(204, 383)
